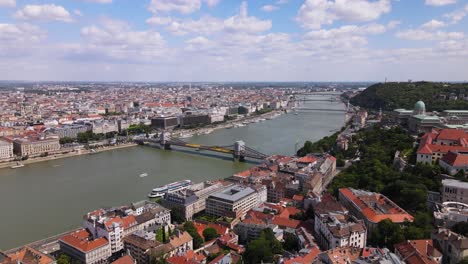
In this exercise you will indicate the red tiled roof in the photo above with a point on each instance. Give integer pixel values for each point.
(127, 259)
(307, 159)
(393, 212)
(285, 222)
(418, 251)
(81, 240)
(452, 134)
(455, 159)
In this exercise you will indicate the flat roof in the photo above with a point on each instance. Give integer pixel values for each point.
(456, 111)
(455, 183)
(233, 193)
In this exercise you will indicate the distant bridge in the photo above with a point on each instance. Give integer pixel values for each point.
(318, 93)
(238, 150)
(321, 109)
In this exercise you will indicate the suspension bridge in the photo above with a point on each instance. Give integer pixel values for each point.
(238, 150)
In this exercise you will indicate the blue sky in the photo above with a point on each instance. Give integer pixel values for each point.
(229, 40)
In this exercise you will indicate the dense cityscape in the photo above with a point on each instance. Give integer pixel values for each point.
(233, 132)
(305, 208)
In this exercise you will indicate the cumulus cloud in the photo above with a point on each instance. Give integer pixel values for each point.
(98, 1)
(212, 3)
(181, 6)
(269, 8)
(315, 13)
(158, 20)
(19, 39)
(420, 34)
(7, 3)
(433, 24)
(457, 15)
(206, 25)
(50, 12)
(440, 2)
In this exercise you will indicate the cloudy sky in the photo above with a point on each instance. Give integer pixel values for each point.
(230, 40)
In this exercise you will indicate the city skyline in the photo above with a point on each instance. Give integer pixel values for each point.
(220, 40)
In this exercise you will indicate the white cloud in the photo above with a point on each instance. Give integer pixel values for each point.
(433, 24)
(158, 21)
(181, 6)
(269, 8)
(211, 3)
(206, 25)
(440, 2)
(7, 3)
(315, 13)
(115, 40)
(77, 12)
(98, 1)
(393, 24)
(457, 15)
(50, 12)
(19, 39)
(420, 34)
(345, 31)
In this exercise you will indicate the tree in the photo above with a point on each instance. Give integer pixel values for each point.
(291, 242)
(177, 214)
(197, 239)
(263, 249)
(210, 233)
(386, 234)
(66, 140)
(64, 259)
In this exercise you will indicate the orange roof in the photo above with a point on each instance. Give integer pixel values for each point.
(363, 203)
(27, 255)
(418, 251)
(286, 222)
(307, 159)
(127, 259)
(455, 159)
(126, 221)
(221, 230)
(309, 258)
(81, 240)
(452, 134)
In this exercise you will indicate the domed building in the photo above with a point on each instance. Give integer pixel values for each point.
(417, 120)
(419, 108)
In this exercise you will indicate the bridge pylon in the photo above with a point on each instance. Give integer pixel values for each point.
(239, 150)
(164, 140)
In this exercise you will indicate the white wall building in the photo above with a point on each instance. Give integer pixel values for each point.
(6, 150)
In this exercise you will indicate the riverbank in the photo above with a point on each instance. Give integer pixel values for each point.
(66, 155)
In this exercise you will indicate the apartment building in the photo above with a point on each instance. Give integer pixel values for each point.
(81, 246)
(33, 147)
(192, 200)
(454, 191)
(335, 227)
(372, 207)
(234, 201)
(453, 246)
(6, 150)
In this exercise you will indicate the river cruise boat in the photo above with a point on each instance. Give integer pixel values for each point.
(161, 191)
(18, 165)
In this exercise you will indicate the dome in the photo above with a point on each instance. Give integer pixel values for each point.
(419, 108)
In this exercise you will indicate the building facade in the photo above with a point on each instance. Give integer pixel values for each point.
(6, 150)
(33, 147)
(233, 202)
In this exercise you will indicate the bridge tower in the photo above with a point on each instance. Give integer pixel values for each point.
(164, 140)
(239, 150)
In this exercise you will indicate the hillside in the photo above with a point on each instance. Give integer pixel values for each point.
(436, 96)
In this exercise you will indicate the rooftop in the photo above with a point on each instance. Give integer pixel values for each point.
(234, 193)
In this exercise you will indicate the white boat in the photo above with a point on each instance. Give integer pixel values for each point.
(161, 191)
(18, 165)
(143, 175)
(185, 135)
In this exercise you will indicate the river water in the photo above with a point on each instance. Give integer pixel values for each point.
(47, 198)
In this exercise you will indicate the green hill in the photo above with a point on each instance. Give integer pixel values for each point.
(436, 96)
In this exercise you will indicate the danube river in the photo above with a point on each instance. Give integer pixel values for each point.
(47, 198)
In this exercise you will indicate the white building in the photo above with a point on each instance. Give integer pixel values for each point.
(6, 150)
(81, 246)
(233, 202)
(34, 147)
(454, 191)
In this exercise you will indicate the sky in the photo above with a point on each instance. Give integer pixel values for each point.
(230, 40)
